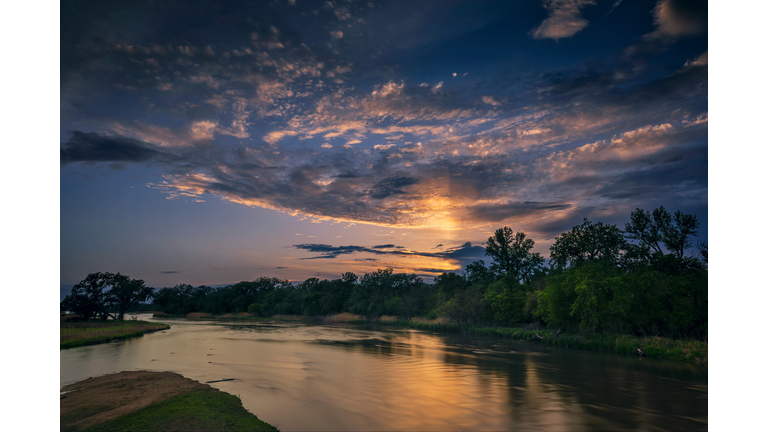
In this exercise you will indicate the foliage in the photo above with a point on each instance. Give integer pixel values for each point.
(506, 299)
(105, 295)
(637, 282)
(587, 242)
(465, 307)
(512, 256)
(477, 272)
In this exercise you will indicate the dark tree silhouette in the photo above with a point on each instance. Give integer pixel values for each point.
(125, 292)
(512, 254)
(588, 242)
(100, 294)
(87, 297)
(651, 229)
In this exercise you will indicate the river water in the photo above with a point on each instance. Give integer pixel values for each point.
(346, 377)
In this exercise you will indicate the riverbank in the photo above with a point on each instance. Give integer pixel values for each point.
(242, 316)
(75, 334)
(693, 351)
(152, 401)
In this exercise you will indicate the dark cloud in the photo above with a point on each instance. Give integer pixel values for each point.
(463, 254)
(500, 212)
(92, 147)
(390, 187)
(329, 251)
(169, 272)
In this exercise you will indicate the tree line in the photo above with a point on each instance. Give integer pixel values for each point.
(647, 279)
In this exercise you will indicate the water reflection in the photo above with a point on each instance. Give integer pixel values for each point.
(345, 377)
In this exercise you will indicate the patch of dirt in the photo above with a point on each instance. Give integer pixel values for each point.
(97, 400)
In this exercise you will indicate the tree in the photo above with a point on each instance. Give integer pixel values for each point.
(477, 272)
(588, 242)
(656, 228)
(650, 229)
(512, 254)
(87, 297)
(125, 292)
(101, 293)
(676, 234)
(465, 306)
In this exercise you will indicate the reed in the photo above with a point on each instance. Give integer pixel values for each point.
(198, 315)
(345, 317)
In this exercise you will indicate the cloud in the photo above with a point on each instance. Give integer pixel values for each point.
(702, 60)
(678, 18)
(615, 5)
(169, 272)
(203, 130)
(337, 34)
(500, 212)
(390, 187)
(464, 253)
(275, 136)
(92, 147)
(268, 126)
(564, 19)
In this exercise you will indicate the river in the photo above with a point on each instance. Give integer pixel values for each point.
(350, 377)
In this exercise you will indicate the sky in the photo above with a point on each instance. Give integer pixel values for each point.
(215, 142)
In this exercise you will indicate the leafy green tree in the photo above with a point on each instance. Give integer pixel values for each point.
(511, 253)
(477, 272)
(448, 283)
(375, 289)
(555, 301)
(594, 306)
(505, 301)
(587, 242)
(466, 306)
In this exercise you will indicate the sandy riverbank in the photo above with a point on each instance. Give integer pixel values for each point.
(142, 400)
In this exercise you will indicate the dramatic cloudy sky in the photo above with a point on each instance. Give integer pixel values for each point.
(213, 142)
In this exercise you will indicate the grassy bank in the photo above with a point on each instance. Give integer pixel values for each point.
(77, 334)
(654, 346)
(197, 410)
(152, 401)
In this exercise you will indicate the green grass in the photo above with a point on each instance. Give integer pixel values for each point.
(197, 410)
(77, 334)
(655, 346)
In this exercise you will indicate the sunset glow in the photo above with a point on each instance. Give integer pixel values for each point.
(212, 143)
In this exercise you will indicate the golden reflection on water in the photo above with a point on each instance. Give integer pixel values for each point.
(343, 377)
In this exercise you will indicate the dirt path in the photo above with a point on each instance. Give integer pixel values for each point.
(96, 400)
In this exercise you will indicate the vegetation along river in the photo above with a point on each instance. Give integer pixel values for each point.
(347, 377)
